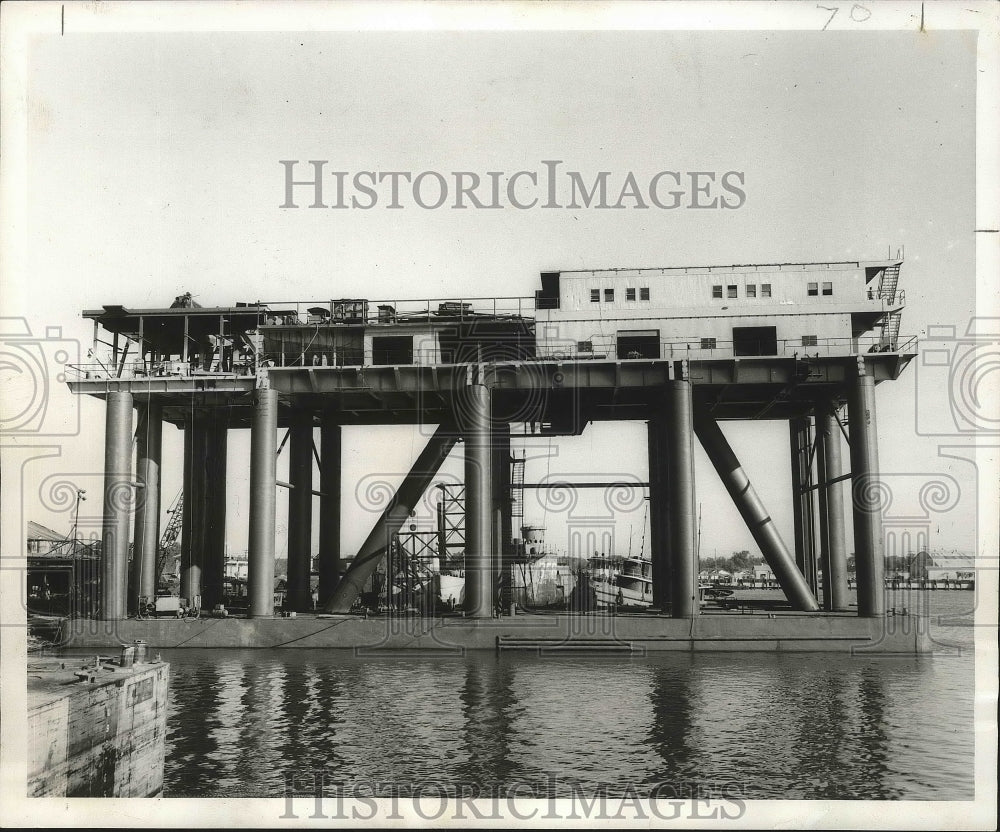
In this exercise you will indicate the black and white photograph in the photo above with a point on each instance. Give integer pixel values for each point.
(511, 414)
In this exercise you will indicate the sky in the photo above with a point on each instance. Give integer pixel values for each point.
(153, 169)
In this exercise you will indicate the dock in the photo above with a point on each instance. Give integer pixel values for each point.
(96, 726)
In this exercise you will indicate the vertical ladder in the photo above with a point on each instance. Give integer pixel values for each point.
(517, 492)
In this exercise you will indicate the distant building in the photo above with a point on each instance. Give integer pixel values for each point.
(951, 566)
(63, 574)
(42, 539)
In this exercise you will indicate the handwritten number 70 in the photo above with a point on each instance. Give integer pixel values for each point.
(859, 14)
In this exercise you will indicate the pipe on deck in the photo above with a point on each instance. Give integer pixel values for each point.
(300, 497)
(833, 547)
(406, 497)
(753, 512)
(149, 452)
(866, 494)
(117, 501)
(263, 498)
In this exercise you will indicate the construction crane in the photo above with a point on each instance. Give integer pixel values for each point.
(170, 533)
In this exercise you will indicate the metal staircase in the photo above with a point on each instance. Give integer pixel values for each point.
(890, 329)
(891, 321)
(887, 288)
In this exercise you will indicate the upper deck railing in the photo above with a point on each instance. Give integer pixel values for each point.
(688, 349)
(362, 311)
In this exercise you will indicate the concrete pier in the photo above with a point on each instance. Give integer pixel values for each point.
(118, 498)
(867, 500)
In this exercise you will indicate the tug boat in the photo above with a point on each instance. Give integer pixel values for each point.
(621, 582)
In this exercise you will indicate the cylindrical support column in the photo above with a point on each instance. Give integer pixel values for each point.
(117, 499)
(865, 491)
(194, 526)
(145, 549)
(677, 443)
(300, 471)
(754, 513)
(800, 436)
(377, 543)
(214, 516)
(475, 418)
(329, 565)
(831, 511)
(263, 497)
(659, 529)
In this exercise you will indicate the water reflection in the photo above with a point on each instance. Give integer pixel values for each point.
(766, 726)
(671, 723)
(488, 700)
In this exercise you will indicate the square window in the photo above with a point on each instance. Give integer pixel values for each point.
(644, 293)
(609, 295)
(595, 295)
(716, 291)
(812, 289)
(708, 343)
(827, 288)
(765, 290)
(630, 294)
(808, 340)
(730, 291)
(584, 346)
(751, 290)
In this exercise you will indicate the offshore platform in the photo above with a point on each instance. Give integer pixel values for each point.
(679, 348)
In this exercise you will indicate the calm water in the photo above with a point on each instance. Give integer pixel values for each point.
(792, 726)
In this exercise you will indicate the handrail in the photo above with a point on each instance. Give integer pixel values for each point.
(320, 359)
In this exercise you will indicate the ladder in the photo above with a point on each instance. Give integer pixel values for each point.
(517, 491)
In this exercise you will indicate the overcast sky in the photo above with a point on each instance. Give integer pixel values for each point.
(154, 169)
